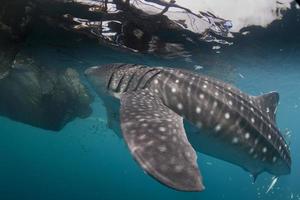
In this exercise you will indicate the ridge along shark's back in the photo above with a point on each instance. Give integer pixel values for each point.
(233, 126)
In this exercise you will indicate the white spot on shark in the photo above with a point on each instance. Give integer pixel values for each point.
(198, 110)
(179, 106)
(162, 148)
(188, 154)
(269, 137)
(162, 129)
(178, 168)
(264, 150)
(218, 127)
(215, 104)
(227, 115)
(150, 143)
(247, 135)
(143, 136)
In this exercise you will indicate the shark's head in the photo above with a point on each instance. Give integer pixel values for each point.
(99, 76)
(113, 79)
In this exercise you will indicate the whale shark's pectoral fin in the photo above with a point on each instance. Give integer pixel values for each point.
(156, 138)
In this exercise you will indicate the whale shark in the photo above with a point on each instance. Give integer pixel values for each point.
(231, 125)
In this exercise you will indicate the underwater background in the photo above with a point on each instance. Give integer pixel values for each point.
(87, 160)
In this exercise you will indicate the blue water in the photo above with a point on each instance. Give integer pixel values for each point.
(86, 160)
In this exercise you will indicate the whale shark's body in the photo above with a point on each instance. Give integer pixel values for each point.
(233, 126)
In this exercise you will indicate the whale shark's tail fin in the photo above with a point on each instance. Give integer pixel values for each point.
(156, 138)
(268, 103)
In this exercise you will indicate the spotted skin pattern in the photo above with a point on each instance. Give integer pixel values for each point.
(156, 138)
(233, 126)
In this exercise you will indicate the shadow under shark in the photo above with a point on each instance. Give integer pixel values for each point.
(232, 125)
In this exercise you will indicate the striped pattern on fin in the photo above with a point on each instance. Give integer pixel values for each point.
(156, 138)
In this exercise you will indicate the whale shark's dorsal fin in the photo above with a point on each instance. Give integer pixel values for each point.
(156, 138)
(268, 103)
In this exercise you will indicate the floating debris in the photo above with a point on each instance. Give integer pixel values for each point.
(241, 75)
(287, 133)
(198, 67)
(245, 32)
(287, 136)
(216, 47)
(274, 181)
(209, 163)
